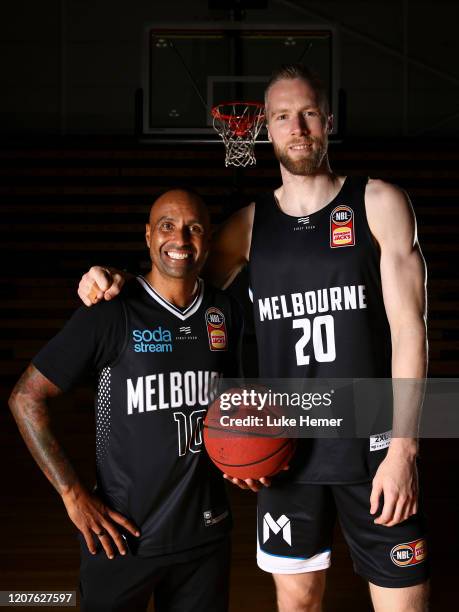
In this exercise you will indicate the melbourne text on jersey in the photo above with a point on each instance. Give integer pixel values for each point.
(171, 390)
(347, 297)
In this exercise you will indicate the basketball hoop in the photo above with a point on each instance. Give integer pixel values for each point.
(238, 124)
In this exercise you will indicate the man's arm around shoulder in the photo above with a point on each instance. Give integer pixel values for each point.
(230, 247)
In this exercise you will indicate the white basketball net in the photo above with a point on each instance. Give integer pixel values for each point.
(238, 124)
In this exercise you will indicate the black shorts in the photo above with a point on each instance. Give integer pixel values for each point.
(295, 529)
(197, 580)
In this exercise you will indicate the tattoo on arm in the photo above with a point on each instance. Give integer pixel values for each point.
(28, 406)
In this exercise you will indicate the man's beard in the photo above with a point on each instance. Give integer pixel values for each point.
(303, 166)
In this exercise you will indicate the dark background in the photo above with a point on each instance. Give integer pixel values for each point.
(76, 183)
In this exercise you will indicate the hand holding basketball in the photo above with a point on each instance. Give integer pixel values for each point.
(248, 456)
(249, 483)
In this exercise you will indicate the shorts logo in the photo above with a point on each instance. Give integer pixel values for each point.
(409, 553)
(342, 231)
(282, 524)
(216, 329)
(210, 519)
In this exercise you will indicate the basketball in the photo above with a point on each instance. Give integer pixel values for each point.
(241, 450)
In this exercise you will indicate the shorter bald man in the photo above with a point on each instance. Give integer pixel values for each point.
(158, 520)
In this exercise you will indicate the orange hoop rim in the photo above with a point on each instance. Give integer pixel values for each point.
(217, 114)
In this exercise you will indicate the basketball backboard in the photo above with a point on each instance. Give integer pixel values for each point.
(188, 71)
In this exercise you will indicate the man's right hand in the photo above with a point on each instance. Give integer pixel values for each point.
(100, 284)
(249, 483)
(94, 519)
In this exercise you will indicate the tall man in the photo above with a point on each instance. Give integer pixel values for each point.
(160, 513)
(350, 245)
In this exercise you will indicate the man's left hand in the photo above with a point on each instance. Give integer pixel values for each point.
(397, 480)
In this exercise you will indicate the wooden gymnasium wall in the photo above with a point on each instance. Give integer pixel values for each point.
(66, 207)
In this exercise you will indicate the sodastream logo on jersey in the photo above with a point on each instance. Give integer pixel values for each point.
(158, 340)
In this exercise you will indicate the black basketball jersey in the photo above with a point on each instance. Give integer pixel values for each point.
(319, 313)
(150, 405)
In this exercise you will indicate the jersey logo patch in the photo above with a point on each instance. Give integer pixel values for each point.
(185, 333)
(158, 340)
(409, 553)
(342, 232)
(216, 329)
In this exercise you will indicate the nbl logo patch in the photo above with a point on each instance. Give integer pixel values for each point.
(216, 329)
(342, 232)
(409, 553)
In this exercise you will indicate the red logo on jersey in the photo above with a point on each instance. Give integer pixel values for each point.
(409, 553)
(216, 329)
(342, 227)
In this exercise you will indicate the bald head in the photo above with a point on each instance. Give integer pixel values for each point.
(178, 234)
(180, 199)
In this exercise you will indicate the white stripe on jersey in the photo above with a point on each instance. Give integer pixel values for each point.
(180, 314)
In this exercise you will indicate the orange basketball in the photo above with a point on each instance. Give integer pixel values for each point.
(239, 448)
